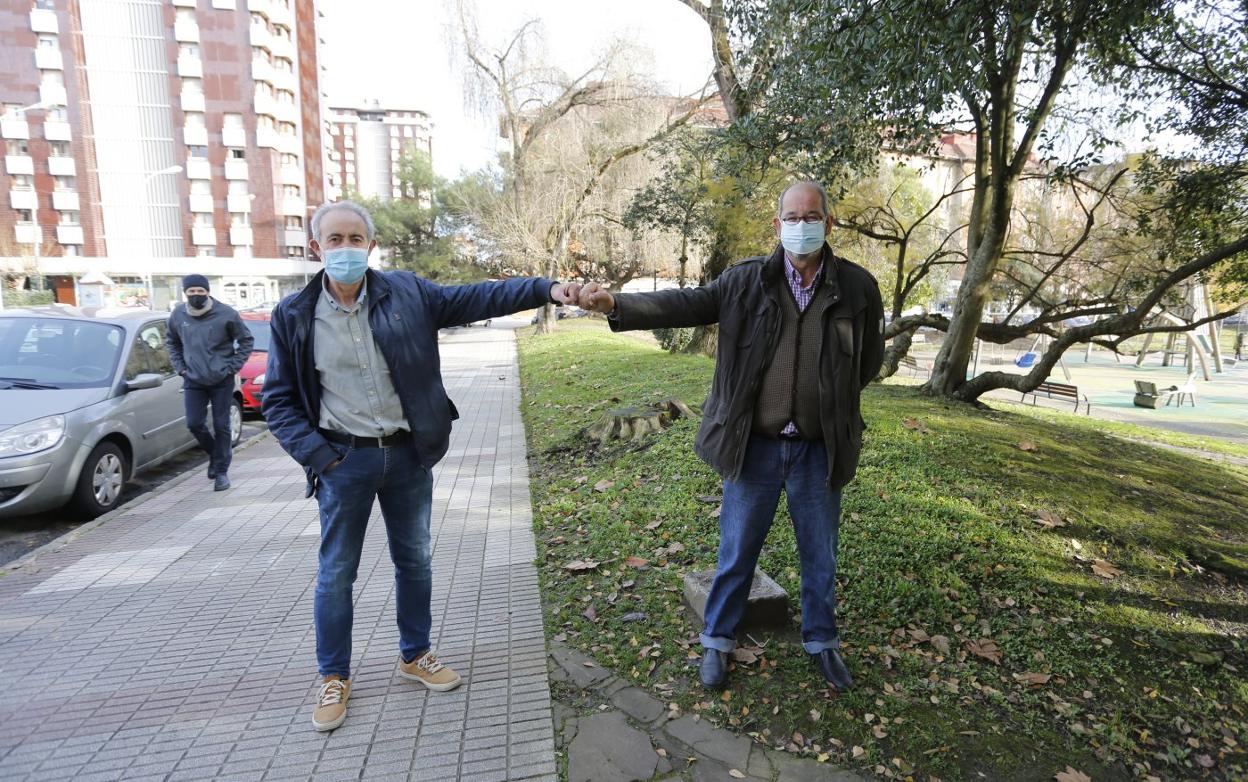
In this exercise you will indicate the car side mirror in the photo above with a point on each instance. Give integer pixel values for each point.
(144, 381)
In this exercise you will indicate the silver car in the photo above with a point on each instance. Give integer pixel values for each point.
(86, 401)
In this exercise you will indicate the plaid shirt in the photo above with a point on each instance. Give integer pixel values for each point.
(802, 295)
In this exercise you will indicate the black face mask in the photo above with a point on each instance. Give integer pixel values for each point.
(198, 301)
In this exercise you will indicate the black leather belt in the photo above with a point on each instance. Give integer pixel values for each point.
(350, 440)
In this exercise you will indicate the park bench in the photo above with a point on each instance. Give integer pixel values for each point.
(1060, 391)
(911, 363)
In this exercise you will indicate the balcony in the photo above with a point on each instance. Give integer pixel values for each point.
(292, 206)
(190, 67)
(185, 3)
(203, 235)
(238, 202)
(195, 136)
(235, 168)
(295, 237)
(49, 59)
(290, 175)
(56, 130)
(186, 31)
(53, 94)
(261, 70)
(266, 137)
(69, 234)
(260, 36)
(25, 233)
(288, 112)
(265, 104)
(61, 166)
(65, 200)
(18, 164)
(14, 128)
(43, 20)
(291, 144)
(22, 199)
(282, 47)
(233, 137)
(224, 5)
(192, 101)
(201, 202)
(198, 168)
(240, 235)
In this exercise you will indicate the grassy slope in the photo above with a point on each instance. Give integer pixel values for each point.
(937, 539)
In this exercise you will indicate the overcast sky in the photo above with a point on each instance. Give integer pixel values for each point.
(399, 53)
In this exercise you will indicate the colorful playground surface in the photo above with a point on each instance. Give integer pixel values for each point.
(1221, 404)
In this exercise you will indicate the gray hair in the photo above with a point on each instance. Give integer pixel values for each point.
(823, 195)
(350, 206)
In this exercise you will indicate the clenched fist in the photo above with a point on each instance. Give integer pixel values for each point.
(565, 292)
(595, 298)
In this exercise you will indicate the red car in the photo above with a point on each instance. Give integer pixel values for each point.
(251, 377)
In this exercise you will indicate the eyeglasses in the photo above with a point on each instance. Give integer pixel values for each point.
(808, 219)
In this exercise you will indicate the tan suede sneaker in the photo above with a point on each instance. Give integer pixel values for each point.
(331, 703)
(427, 670)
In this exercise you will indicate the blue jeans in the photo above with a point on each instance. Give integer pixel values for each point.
(801, 469)
(218, 443)
(405, 488)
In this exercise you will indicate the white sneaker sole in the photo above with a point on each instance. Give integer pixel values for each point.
(325, 726)
(411, 677)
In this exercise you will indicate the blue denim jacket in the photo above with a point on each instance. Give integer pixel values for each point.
(405, 316)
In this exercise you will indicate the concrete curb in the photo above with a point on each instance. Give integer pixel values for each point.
(56, 544)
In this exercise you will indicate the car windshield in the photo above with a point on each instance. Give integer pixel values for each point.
(57, 353)
(260, 330)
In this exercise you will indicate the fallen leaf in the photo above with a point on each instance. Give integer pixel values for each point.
(1204, 761)
(879, 732)
(1032, 678)
(732, 772)
(718, 510)
(916, 425)
(1027, 445)
(857, 752)
(636, 562)
(581, 564)
(747, 655)
(589, 664)
(940, 643)
(1071, 775)
(985, 648)
(654, 524)
(660, 752)
(590, 614)
(815, 715)
(1105, 570)
(1049, 520)
(603, 485)
(798, 738)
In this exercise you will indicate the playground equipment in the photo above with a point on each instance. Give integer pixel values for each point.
(1198, 343)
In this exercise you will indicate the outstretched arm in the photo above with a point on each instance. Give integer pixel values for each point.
(460, 304)
(675, 308)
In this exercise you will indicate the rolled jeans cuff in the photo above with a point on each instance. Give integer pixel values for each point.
(815, 647)
(725, 645)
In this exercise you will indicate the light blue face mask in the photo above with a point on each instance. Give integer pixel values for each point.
(346, 264)
(802, 238)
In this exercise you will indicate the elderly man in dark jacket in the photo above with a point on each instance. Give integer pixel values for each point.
(208, 344)
(800, 336)
(353, 391)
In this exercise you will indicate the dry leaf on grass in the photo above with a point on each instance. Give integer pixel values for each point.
(857, 752)
(581, 564)
(590, 614)
(747, 655)
(985, 648)
(1071, 774)
(636, 562)
(1049, 520)
(1027, 445)
(916, 425)
(1105, 570)
(603, 485)
(1032, 678)
(654, 524)
(940, 643)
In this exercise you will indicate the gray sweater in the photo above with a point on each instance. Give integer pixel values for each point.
(208, 349)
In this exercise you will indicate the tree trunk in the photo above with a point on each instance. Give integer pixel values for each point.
(897, 350)
(704, 342)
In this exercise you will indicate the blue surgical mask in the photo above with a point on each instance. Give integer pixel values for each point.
(802, 238)
(346, 264)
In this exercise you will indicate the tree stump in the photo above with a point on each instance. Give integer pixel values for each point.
(634, 423)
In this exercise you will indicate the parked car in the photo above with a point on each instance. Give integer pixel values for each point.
(561, 311)
(87, 400)
(251, 377)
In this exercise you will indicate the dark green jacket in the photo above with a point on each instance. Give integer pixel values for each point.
(742, 301)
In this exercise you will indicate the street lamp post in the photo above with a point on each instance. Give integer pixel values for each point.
(151, 290)
(34, 212)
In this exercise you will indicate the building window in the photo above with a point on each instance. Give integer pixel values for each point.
(185, 16)
(47, 42)
(59, 148)
(238, 186)
(201, 219)
(294, 222)
(206, 252)
(71, 250)
(289, 159)
(69, 218)
(193, 86)
(237, 153)
(239, 219)
(24, 216)
(195, 119)
(23, 181)
(16, 146)
(290, 191)
(65, 183)
(294, 252)
(197, 152)
(188, 50)
(232, 121)
(59, 113)
(201, 186)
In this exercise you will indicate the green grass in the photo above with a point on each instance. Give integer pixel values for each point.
(937, 539)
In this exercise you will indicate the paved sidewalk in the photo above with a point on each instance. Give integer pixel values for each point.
(175, 641)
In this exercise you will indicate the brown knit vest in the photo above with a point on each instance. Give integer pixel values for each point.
(790, 387)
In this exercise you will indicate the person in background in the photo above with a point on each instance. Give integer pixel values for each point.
(208, 344)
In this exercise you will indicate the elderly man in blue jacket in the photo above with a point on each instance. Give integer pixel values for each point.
(353, 391)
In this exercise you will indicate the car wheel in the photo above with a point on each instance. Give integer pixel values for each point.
(236, 422)
(102, 479)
